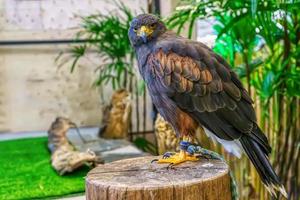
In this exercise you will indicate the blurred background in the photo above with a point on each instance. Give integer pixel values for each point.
(72, 59)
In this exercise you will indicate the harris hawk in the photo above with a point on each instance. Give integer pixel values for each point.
(192, 86)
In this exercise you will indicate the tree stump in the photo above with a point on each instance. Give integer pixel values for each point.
(138, 179)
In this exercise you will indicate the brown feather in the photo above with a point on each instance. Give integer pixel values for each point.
(183, 84)
(206, 77)
(232, 90)
(179, 87)
(162, 58)
(197, 104)
(167, 80)
(185, 70)
(169, 66)
(178, 66)
(189, 86)
(176, 77)
(199, 89)
(195, 74)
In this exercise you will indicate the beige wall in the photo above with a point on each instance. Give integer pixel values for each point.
(33, 91)
(167, 6)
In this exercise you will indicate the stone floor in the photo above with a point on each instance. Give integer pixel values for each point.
(82, 197)
(19, 135)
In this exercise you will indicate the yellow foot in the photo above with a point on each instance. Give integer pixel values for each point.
(178, 158)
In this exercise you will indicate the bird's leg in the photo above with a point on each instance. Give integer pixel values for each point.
(204, 153)
(182, 156)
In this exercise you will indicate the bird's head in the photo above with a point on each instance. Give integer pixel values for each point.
(145, 28)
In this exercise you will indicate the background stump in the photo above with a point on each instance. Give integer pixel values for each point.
(138, 179)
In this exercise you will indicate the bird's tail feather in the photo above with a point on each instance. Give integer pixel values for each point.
(260, 161)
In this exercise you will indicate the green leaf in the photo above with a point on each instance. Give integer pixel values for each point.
(241, 69)
(145, 145)
(232, 23)
(267, 85)
(74, 63)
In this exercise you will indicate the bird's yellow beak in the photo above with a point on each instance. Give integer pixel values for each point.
(144, 32)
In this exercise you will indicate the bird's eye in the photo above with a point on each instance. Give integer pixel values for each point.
(152, 26)
(135, 29)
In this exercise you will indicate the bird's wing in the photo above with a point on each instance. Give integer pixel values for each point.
(204, 87)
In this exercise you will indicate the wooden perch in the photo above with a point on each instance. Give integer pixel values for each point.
(135, 179)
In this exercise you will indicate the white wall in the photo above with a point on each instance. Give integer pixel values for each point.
(33, 91)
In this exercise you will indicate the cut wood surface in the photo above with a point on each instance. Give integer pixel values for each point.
(138, 179)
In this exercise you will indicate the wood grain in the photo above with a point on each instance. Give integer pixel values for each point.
(137, 178)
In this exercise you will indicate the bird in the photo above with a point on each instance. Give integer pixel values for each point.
(191, 86)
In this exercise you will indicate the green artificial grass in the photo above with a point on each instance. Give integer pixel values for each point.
(26, 172)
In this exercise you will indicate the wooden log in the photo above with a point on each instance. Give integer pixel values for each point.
(138, 179)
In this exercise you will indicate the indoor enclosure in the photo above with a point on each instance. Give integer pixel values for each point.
(76, 114)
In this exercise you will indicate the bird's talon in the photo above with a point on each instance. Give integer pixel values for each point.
(170, 166)
(207, 157)
(154, 160)
(168, 155)
(176, 158)
(203, 156)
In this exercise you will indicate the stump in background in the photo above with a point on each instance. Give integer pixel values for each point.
(116, 116)
(135, 179)
(64, 157)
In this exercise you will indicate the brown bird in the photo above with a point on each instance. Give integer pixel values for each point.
(192, 86)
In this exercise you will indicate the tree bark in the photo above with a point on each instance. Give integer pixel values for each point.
(137, 178)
